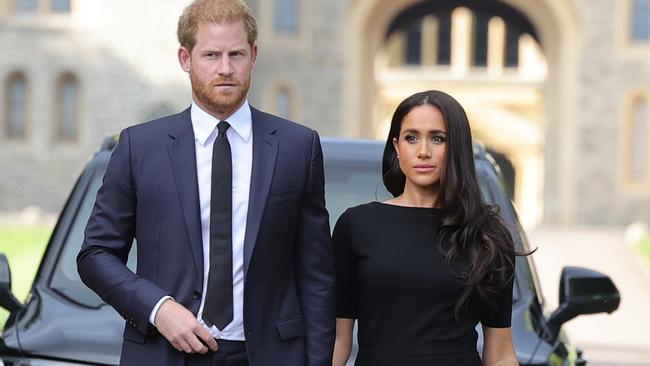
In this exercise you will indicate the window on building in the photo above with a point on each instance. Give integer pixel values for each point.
(480, 55)
(26, 6)
(414, 43)
(444, 38)
(512, 46)
(640, 20)
(461, 28)
(60, 6)
(67, 108)
(42, 6)
(639, 147)
(285, 16)
(16, 107)
(283, 102)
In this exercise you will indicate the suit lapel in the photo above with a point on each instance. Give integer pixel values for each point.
(265, 151)
(183, 157)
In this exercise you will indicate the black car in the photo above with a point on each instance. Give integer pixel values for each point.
(64, 323)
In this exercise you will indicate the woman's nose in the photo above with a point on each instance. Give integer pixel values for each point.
(423, 152)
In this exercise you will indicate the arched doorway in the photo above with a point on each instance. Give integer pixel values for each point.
(530, 116)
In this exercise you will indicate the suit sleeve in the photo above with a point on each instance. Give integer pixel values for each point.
(315, 265)
(108, 238)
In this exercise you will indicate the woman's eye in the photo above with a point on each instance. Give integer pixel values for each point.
(438, 139)
(410, 138)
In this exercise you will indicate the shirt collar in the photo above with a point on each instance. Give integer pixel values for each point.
(205, 124)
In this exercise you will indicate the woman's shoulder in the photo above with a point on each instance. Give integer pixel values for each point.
(359, 211)
(362, 208)
(353, 219)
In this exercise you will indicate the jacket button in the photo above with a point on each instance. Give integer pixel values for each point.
(196, 295)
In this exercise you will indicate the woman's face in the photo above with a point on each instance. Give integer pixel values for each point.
(420, 147)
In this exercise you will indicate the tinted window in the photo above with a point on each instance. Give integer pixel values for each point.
(65, 278)
(347, 187)
(494, 192)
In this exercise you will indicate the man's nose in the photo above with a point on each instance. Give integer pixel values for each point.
(225, 66)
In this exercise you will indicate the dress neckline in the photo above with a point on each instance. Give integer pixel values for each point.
(407, 209)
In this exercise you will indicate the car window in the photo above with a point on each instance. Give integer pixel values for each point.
(348, 187)
(65, 279)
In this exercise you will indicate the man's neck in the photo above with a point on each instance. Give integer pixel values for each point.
(220, 115)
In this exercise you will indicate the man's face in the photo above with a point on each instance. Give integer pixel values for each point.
(220, 67)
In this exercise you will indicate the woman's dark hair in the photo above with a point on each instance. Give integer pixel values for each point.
(473, 237)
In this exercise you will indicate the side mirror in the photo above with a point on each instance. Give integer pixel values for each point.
(583, 291)
(7, 298)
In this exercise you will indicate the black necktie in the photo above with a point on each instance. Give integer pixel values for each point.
(218, 301)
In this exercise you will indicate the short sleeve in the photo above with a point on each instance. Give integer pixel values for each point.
(502, 314)
(346, 306)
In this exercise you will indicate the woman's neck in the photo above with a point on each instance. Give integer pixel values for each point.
(416, 197)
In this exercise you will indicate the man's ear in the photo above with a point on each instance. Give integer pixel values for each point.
(185, 59)
(253, 54)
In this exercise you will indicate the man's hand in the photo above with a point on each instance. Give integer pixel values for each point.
(180, 327)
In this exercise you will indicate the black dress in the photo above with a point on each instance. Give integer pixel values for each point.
(392, 278)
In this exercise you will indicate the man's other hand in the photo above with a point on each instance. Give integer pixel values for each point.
(180, 327)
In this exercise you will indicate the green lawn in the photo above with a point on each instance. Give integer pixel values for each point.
(23, 246)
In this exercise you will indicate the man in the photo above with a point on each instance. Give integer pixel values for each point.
(234, 262)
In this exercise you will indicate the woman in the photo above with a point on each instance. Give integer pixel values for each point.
(421, 270)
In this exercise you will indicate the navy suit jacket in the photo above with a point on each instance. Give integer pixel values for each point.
(150, 193)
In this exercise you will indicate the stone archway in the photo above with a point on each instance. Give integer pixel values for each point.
(558, 32)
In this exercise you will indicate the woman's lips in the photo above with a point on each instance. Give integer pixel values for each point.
(423, 168)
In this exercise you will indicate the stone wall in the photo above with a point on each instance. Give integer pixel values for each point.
(125, 61)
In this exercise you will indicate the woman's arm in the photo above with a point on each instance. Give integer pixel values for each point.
(497, 347)
(343, 343)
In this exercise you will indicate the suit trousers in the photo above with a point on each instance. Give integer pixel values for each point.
(230, 353)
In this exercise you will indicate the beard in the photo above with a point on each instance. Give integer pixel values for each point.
(222, 102)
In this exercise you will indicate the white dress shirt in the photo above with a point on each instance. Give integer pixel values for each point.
(240, 137)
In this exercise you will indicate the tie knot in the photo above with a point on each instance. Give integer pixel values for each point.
(222, 127)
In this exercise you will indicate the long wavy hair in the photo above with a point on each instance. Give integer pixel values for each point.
(474, 239)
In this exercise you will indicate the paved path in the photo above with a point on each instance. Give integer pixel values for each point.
(618, 339)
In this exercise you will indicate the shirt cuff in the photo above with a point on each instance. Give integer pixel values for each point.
(152, 317)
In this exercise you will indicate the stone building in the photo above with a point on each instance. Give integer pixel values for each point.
(558, 90)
